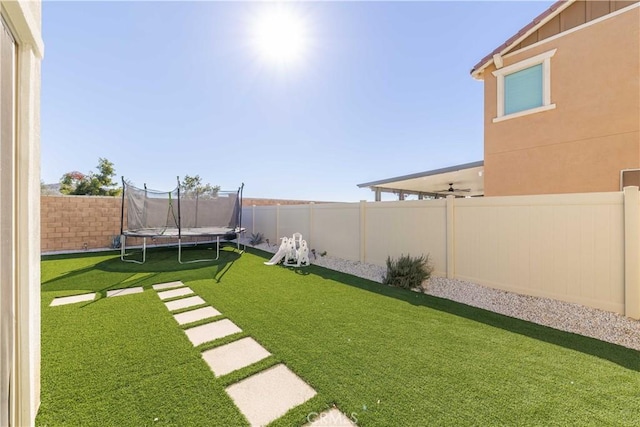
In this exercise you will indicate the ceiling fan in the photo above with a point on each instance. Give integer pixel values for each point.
(453, 190)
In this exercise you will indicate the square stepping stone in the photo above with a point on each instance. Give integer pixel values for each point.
(175, 293)
(184, 303)
(125, 291)
(211, 331)
(235, 355)
(330, 418)
(161, 286)
(195, 315)
(268, 395)
(72, 299)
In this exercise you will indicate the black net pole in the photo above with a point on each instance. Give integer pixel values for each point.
(240, 210)
(122, 209)
(144, 207)
(179, 219)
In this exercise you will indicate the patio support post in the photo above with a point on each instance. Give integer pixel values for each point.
(363, 230)
(631, 252)
(253, 218)
(451, 264)
(378, 195)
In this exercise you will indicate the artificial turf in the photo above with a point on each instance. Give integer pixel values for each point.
(383, 356)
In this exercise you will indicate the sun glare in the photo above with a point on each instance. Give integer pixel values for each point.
(280, 36)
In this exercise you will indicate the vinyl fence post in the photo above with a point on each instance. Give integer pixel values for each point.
(631, 252)
(253, 218)
(311, 207)
(363, 230)
(277, 222)
(451, 260)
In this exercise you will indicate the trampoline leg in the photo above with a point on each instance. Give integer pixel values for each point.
(241, 251)
(197, 260)
(123, 254)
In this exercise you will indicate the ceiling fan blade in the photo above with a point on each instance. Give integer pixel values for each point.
(455, 190)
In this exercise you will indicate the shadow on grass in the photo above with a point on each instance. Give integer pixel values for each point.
(618, 354)
(161, 266)
(165, 259)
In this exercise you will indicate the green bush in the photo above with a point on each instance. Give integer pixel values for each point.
(407, 272)
(256, 238)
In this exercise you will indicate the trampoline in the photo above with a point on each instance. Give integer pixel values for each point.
(171, 215)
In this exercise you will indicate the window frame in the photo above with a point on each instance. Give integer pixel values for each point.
(500, 74)
(8, 290)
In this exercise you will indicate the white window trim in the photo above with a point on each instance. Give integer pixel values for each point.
(545, 60)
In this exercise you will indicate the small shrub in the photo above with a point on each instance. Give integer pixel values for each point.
(256, 238)
(316, 253)
(407, 272)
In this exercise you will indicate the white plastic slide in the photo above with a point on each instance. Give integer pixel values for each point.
(277, 257)
(293, 251)
(282, 252)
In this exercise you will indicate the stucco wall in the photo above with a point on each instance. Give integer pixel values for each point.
(594, 131)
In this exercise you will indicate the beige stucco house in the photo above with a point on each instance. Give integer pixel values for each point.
(561, 108)
(562, 102)
(21, 51)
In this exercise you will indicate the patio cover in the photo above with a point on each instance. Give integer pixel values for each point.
(434, 183)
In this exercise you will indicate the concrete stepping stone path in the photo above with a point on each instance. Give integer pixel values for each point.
(263, 397)
(268, 395)
(180, 292)
(211, 331)
(162, 286)
(124, 291)
(72, 299)
(330, 418)
(184, 303)
(195, 315)
(235, 355)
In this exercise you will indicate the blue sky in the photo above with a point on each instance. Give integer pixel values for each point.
(163, 89)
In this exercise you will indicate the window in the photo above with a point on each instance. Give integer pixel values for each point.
(523, 90)
(524, 87)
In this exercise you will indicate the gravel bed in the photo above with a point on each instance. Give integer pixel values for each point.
(574, 318)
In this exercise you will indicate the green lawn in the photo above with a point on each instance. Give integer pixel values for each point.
(389, 357)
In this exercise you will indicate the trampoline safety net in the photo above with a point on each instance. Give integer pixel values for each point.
(151, 210)
(169, 213)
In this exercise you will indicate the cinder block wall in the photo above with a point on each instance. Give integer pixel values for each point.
(78, 222)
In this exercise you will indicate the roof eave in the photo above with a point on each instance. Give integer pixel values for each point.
(423, 174)
(478, 70)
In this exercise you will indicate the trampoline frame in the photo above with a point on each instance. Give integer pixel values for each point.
(221, 232)
(238, 232)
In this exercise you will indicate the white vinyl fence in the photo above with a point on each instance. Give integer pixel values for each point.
(580, 248)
